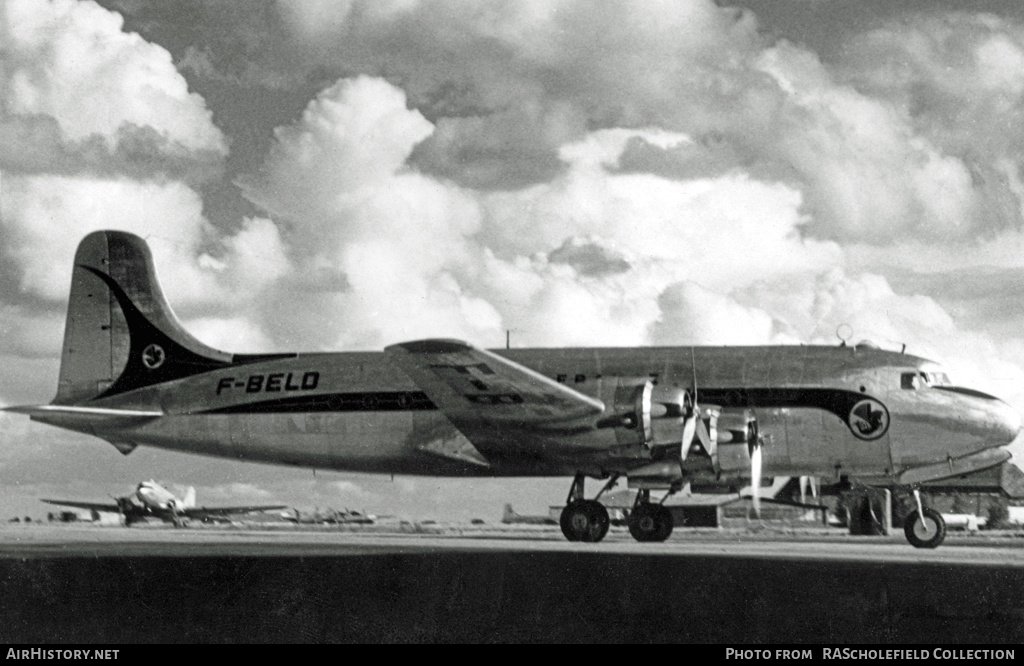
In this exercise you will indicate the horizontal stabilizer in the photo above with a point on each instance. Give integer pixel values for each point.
(70, 410)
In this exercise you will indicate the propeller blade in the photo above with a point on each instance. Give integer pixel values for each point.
(705, 437)
(689, 427)
(755, 478)
(803, 489)
(693, 416)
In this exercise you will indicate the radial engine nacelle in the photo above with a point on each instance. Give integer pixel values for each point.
(653, 416)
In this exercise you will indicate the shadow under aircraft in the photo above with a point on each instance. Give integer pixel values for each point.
(659, 417)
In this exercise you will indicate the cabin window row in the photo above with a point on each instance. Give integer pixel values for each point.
(562, 378)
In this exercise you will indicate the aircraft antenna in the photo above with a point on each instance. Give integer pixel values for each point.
(508, 339)
(693, 368)
(844, 332)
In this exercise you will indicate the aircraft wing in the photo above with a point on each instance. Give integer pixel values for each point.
(199, 512)
(85, 505)
(475, 387)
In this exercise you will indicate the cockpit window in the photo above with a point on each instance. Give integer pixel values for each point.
(911, 380)
(918, 380)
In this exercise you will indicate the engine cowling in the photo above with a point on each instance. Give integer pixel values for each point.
(645, 414)
(736, 435)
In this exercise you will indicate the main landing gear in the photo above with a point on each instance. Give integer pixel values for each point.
(587, 520)
(649, 522)
(582, 519)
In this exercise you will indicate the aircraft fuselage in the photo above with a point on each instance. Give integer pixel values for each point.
(358, 411)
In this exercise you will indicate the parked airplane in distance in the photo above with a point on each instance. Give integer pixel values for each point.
(661, 417)
(510, 517)
(329, 517)
(152, 500)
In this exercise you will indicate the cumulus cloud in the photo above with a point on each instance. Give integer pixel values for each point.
(509, 83)
(72, 62)
(413, 254)
(98, 130)
(45, 217)
(955, 77)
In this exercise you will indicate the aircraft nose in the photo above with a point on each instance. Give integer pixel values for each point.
(1006, 422)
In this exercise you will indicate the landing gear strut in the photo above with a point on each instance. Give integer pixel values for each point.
(649, 522)
(582, 519)
(925, 527)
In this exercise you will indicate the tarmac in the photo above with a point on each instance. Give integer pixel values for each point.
(419, 583)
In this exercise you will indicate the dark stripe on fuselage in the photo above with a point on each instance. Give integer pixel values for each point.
(836, 401)
(371, 401)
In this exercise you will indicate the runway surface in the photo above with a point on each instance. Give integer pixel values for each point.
(72, 583)
(72, 540)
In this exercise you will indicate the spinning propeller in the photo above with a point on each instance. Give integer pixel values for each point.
(755, 474)
(806, 481)
(693, 424)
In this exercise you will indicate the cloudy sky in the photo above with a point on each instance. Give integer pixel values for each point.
(342, 175)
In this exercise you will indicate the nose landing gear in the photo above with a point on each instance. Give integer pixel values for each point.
(925, 527)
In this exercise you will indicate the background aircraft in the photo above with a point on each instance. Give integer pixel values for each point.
(510, 517)
(328, 516)
(660, 417)
(152, 500)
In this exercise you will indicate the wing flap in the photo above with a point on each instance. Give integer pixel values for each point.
(470, 384)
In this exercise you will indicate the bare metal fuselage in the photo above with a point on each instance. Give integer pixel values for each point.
(358, 411)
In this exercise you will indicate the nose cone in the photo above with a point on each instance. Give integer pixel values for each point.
(1005, 422)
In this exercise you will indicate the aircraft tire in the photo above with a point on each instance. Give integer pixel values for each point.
(927, 533)
(565, 521)
(599, 521)
(650, 522)
(665, 523)
(584, 520)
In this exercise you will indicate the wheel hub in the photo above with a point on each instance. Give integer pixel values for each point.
(580, 522)
(925, 528)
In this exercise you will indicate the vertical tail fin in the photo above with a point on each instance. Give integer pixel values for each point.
(121, 334)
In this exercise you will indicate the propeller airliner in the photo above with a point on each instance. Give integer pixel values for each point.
(152, 500)
(659, 417)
